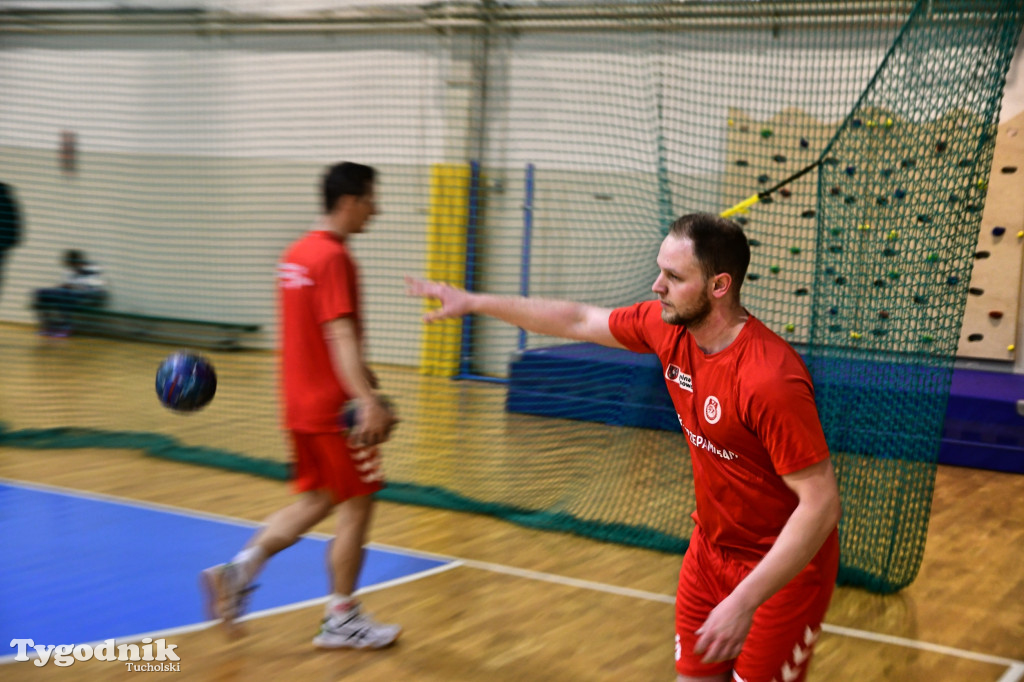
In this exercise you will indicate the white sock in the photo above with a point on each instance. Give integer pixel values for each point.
(340, 602)
(249, 562)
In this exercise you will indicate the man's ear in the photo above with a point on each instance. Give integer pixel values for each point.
(721, 284)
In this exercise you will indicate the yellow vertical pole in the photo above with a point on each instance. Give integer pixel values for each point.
(446, 262)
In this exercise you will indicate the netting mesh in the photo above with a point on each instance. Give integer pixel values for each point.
(536, 148)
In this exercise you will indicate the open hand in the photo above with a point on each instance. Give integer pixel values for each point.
(721, 636)
(455, 302)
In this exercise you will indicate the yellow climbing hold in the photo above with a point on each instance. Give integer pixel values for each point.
(893, 234)
(855, 335)
(864, 227)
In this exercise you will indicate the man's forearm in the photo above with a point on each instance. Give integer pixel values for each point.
(565, 319)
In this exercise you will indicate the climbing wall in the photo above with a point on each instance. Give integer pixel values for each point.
(781, 233)
(990, 319)
(784, 233)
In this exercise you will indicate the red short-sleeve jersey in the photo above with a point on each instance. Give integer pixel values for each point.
(317, 282)
(749, 417)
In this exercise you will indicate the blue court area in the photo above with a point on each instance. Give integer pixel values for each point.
(77, 569)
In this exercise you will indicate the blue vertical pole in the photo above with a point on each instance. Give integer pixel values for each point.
(466, 343)
(524, 266)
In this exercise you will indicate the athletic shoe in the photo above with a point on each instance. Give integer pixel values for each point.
(353, 629)
(226, 597)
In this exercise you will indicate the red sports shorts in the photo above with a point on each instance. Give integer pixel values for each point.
(785, 628)
(325, 460)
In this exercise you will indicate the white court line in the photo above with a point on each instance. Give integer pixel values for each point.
(295, 606)
(1014, 673)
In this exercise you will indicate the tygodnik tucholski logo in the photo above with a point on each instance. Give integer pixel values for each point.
(148, 656)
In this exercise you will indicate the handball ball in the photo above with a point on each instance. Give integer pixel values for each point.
(350, 413)
(185, 382)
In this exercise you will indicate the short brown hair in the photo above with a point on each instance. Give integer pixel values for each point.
(719, 245)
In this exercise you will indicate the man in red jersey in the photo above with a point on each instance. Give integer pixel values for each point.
(762, 563)
(323, 366)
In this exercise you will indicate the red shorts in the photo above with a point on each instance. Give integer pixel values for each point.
(325, 460)
(785, 628)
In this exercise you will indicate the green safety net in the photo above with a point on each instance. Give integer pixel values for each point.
(536, 148)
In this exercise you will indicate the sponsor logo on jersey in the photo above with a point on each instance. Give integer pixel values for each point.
(674, 374)
(293, 276)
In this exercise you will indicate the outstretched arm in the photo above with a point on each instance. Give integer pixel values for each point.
(566, 319)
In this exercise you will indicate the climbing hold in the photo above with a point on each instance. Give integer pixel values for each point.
(966, 162)
(884, 314)
(995, 314)
(932, 258)
(954, 197)
(856, 335)
(829, 270)
(998, 231)
(864, 227)
(766, 133)
(975, 337)
(982, 184)
(940, 146)
(888, 123)
(1020, 235)
(908, 163)
(890, 252)
(840, 280)
(882, 201)
(879, 282)
(729, 122)
(809, 213)
(850, 170)
(870, 123)
(742, 163)
(775, 269)
(920, 300)
(801, 291)
(754, 242)
(855, 123)
(753, 277)
(953, 279)
(763, 178)
(1011, 347)
(892, 236)
(850, 199)
(833, 310)
(804, 144)
(785, 192)
(900, 193)
(894, 274)
(831, 161)
(923, 219)
(836, 231)
(790, 327)
(1008, 169)
(779, 158)
(927, 338)
(835, 191)
(981, 254)
(795, 250)
(742, 220)
(975, 291)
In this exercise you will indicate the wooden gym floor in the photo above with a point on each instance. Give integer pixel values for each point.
(525, 604)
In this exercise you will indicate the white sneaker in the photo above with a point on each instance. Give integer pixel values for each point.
(353, 629)
(226, 596)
